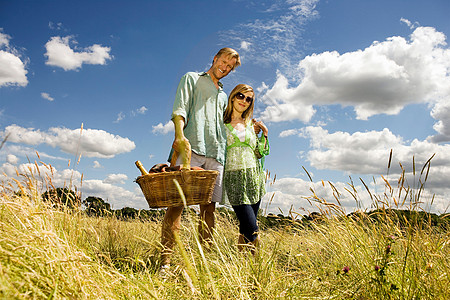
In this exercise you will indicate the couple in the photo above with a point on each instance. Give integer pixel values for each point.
(207, 125)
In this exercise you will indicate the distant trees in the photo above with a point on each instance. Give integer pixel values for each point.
(127, 213)
(403, 218)
(62, 197)
(96, 206)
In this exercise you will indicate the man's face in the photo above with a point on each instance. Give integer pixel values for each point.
(222, 66)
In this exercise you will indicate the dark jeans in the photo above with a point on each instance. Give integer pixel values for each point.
(246, 215)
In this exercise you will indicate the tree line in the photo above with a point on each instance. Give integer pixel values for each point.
(97, 207)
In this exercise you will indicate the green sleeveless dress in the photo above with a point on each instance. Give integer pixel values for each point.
(244, 178)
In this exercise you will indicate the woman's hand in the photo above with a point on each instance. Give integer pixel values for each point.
(258, 126)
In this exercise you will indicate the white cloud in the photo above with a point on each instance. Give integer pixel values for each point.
(381, 79)
(7, 170)
(86, 142)
(12, 69)
(117, 196)
(275, 37)
(47, 96)
(55, 26)
(141, 110)
(409, 23)
(12, 159)
(295, 194)
(116, 178)
(27, 152)
(289, 132)
(60, 54)
(4, 39)
(163, 129)
(97, 165)
(441, 112)
(120, 117)
(363, 152)
(280, 107)
(29, 136)
(245, 45)
(367, 153)
(45, 175)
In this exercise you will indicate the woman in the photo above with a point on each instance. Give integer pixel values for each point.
(243, 181)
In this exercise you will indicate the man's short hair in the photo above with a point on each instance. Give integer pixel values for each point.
(230, 53)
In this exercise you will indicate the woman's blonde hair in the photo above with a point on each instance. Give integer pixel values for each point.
(248, 113)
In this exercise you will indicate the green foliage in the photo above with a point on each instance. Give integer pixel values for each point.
(402, 218)
(96, 206)
(129, 213)
(62, 197)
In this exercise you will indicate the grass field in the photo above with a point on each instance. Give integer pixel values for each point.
(48, 253)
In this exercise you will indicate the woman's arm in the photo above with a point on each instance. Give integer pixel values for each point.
(262, 147)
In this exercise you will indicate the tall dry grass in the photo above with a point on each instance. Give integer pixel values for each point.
(49, 253)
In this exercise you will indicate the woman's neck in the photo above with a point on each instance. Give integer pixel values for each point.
(237, 120)
(236, 117)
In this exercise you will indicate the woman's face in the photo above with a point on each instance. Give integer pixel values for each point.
(242, 101)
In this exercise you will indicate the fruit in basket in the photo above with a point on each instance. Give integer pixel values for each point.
(197, 169)
(161, 168)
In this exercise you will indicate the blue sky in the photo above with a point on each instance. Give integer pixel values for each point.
(339, 84)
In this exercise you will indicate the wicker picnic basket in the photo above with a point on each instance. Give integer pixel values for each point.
(160, 190)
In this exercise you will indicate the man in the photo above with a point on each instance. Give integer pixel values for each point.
(198, 118)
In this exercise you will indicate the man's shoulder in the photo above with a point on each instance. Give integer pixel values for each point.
(194, 75)
(192, 78)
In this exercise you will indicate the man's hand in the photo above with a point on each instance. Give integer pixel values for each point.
(181, 144)
(183, 149)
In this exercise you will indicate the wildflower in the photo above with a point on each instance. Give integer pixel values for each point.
(346, 269)
(388, 249)
(377, 268)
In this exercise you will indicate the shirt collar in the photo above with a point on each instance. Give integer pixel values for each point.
(206, 74)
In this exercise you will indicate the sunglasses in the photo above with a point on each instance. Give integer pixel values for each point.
(241, 96)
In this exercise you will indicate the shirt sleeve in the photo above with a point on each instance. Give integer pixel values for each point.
(183, 97)
(263, 146)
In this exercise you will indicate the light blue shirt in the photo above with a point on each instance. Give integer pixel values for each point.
(201, 105)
